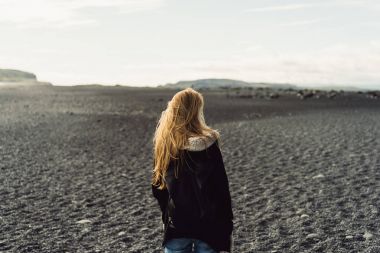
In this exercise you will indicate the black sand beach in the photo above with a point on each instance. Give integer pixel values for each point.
(76, 164)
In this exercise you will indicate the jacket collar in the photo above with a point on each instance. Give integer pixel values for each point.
(200, 143)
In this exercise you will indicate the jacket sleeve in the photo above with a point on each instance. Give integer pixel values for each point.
(224, 192)
(162, 198)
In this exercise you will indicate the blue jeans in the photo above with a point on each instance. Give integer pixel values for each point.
(187, 245)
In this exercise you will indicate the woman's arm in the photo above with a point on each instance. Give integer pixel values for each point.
(162, 197)
(224, 199)
(224, 192)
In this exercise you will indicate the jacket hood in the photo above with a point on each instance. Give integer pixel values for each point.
(199, 143)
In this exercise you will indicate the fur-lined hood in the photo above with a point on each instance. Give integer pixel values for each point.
(200, 143)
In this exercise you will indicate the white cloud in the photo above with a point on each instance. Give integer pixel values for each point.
(301, 6)
(303, 22)
(371, 24)
(334, 65)
(287, 7)
(64, 12)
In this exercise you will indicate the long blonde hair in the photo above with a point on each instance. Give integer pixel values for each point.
(183, 118)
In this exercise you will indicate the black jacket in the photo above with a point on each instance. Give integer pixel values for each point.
(200, 205)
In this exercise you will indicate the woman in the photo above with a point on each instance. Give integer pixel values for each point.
(189, 179)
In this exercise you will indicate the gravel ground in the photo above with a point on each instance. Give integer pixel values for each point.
(75, 171)
(307, 183)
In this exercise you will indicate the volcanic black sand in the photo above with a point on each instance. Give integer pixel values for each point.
(76, 164)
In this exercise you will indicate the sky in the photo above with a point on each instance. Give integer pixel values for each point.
(152, 42)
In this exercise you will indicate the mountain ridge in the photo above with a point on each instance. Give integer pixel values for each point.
(14, 77)
(232, 83)
(225, 83)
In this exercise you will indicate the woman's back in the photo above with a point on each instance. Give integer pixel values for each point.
(193, 197)
(198, 193)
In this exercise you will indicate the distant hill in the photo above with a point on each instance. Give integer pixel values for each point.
(12, 77)
(224, 83)
(230, 83)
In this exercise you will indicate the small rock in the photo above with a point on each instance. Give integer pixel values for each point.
(318, 176)
(84, 221)
(312, 236)
(349, 237)
(121, 233)
(367, 235)
(144, 229)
